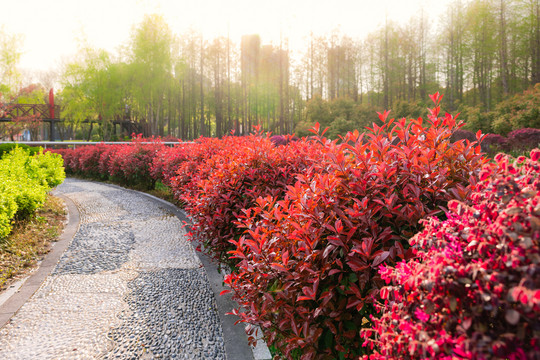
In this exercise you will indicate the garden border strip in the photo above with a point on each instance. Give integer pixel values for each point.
(33, 282)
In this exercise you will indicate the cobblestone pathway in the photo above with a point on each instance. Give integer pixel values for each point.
(129, 286)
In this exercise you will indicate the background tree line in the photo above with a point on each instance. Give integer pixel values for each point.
(484, 56)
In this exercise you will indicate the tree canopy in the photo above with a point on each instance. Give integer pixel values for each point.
(483, 53)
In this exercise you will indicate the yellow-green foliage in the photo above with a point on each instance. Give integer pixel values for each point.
(24, 183)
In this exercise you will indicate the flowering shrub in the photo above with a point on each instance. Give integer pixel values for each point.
(308, 263)
(473, 289)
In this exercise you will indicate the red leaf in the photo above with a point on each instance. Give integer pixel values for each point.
(436, 98)
(316, 128)
(381, 256)
(278, 267)
(383, 116)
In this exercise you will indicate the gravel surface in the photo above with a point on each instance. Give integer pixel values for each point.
(129, 286)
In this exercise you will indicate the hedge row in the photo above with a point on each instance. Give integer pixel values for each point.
(517, 141)
(308, 271)
(313, 229)
(24, 183)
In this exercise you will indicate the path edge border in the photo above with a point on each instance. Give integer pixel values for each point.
(44, 268)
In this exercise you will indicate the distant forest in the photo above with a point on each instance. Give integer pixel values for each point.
(484, 56)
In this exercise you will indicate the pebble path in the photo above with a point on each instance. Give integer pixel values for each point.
(129, 286)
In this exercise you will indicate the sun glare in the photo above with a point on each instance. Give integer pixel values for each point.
(52, 31)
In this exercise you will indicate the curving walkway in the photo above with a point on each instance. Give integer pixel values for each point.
(128, 286)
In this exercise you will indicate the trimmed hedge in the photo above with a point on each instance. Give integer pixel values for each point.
(5, 148)
(128, 165)
(306, 224)
(24, 183)
(232, 180)
(308, 263)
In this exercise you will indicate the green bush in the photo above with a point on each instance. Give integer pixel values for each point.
(8, 206)
(24, 183)
(6, 148)
(50, 167)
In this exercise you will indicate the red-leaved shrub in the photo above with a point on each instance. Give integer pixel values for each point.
(524, 139)
(495, 143)
(105, 159)
(127, 164)
(308, 263)
(167, 161)
(88, 158)
(190, 172)
(130, 164)
(473, 289)
(244, 169)
(461, 134)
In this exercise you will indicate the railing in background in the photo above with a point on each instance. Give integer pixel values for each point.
(74, 144)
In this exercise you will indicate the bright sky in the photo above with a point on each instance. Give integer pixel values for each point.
(52, 29)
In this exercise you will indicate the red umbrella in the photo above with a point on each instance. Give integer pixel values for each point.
(51, 103)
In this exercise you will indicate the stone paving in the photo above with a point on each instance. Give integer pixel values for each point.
(129, 286)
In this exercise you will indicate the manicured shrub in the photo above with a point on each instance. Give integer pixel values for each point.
(88, 160)
(191, 172)
(8, 205)
(494, 143)
(308, 263)
(5, 148)
(48, 168)
(524, 139)
(243, 170)
(65, 155)
(71, 158)
(105, 157)
(472, 291)
(130, 164)
(462, 134)
(30, 188)
(167, 161)
(24, 182)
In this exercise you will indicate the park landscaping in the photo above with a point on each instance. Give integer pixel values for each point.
(29, 217)
(397, 243)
